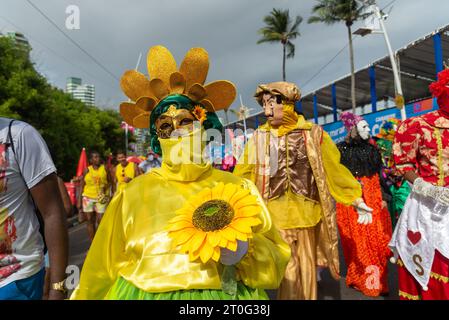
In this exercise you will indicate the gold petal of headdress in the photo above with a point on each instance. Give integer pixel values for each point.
(165, 79)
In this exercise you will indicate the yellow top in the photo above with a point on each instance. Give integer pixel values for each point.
(132, 241)
(121, 173)
(296, 211)
(95, 181)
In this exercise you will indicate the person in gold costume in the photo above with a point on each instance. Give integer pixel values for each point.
(185, 230)
(296, 167)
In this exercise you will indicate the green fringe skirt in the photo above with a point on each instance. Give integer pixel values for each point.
(125, 290)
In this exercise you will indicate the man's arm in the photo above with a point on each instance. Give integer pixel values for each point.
(47, 197)
(137, 171)
(411, 176)
(110, 182)
(80, 194)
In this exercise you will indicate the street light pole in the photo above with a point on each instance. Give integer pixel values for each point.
(399, 96)
(397, 81)
(126, 138)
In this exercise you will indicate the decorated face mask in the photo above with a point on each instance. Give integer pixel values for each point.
(273, 109)
(174, 122)
(363, 130)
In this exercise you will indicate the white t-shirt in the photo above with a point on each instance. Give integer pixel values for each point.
(21, 244)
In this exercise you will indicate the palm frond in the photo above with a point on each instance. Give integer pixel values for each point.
(295, 26)
(333, 11)
(290, 50)
(292, 35)
(269, 36)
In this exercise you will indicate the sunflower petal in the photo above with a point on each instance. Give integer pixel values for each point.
(232, 245)
(183, 236)
(252, 221)
(248, 211)
(242, 236)
(228, 233)
(217, 191)
(197, 239)
(223, 242)
(205, 195)
(179, 217)
(179, 225)
(244, 224)
(213, 238)
(249, 200)
(229, 191)
(194, 255)
(216, 255)
(238, 196)
(206, 252)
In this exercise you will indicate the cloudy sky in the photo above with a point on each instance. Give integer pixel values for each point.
(115, 32)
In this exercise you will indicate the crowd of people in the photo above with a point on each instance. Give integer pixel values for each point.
(270, 220)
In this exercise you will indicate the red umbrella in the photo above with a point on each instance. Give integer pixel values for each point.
(134, 159)
(82, 163)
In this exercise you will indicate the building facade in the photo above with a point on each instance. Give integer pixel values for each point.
(80, 91)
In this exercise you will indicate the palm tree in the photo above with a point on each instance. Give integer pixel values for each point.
(347, 11)
(279, 28)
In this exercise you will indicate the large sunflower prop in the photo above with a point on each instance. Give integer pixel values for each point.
(213, 219)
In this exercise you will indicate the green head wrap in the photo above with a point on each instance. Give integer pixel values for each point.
(180, 102)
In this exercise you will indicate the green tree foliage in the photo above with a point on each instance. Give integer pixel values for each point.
(66, 124)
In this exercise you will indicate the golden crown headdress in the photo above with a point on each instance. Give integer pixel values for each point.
(166, 79)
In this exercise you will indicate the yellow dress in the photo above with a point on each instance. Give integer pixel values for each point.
(121, 173)
(131, 244)
(96, 181)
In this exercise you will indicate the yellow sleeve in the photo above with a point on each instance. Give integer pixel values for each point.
(246, 163)
(342, 185)
(264, 265)
(106, 255)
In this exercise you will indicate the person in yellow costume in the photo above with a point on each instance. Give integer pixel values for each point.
(94, 196)
(125, 171)
(296, 167)
(185, 230)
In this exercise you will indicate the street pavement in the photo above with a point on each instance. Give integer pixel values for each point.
(328, 288)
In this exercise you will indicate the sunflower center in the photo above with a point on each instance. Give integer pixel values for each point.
(213, 215)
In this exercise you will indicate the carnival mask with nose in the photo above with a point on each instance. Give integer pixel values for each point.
(273, 108)
(363, 130)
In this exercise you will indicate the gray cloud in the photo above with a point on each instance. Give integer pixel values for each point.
(115, 32)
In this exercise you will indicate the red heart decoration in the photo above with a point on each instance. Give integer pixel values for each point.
(414, 237)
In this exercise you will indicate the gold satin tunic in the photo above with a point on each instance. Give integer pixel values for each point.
(293, 198)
